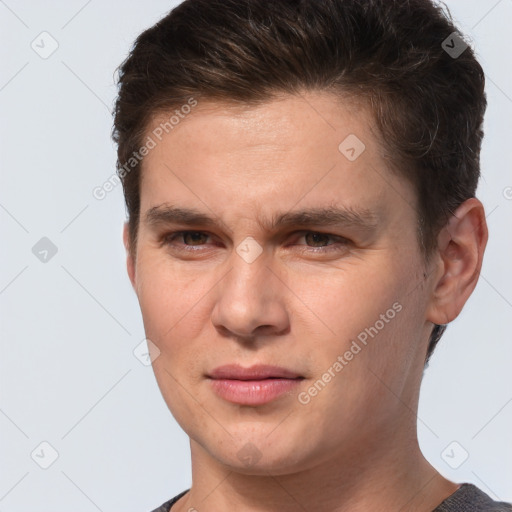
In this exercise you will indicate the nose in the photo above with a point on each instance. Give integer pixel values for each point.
(250, 301)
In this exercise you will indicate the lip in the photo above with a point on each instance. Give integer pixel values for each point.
(256, 385)
(256, 372)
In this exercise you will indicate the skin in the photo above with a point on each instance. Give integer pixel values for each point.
(354, 445)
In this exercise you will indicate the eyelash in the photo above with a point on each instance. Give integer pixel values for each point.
(168, 238)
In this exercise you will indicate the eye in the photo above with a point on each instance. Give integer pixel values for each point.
(320, 242)
(190, 240)
(316, 242)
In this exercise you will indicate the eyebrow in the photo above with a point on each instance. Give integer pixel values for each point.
(363, 219)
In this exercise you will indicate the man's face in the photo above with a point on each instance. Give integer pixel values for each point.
(341, 305)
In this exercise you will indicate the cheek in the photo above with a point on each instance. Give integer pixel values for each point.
(348, 299)
(165, 292)
(371, 316)
(171, 303)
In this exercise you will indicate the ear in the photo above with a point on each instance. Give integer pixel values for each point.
(130, 264)
(461, 246)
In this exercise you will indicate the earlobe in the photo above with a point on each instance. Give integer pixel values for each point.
(461, 246)
(130, 265)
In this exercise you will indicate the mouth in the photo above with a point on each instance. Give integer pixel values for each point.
(256, 385)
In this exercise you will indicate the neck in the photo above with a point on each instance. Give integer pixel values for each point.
(379, 475)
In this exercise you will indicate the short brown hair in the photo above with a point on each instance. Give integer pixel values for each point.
(428, 104)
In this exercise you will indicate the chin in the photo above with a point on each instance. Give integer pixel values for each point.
(261, 456)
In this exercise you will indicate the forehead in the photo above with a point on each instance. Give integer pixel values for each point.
(286, 122)
(312, 149)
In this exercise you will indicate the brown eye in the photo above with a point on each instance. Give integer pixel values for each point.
(185, 240)
(317, 239)
(193, 237)
(317, 242)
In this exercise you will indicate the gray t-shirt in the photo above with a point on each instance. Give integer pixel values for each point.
(467, 498)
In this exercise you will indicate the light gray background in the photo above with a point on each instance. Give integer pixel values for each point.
(70, 325)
